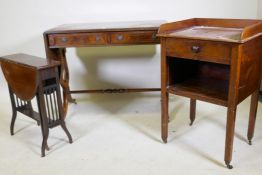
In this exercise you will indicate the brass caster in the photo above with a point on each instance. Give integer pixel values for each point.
(229, 166)
(249, 142)
(164, 140)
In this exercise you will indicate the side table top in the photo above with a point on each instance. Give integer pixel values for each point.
(30, 61)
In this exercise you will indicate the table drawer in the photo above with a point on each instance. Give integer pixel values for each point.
(137, 37)
(200, 50)
(76, 40)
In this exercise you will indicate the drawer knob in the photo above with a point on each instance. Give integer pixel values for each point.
(119, 37)
(195, 49)
(64, 39)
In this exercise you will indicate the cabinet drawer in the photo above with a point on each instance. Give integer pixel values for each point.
(199, 50)
(137, 37)
(76, 40)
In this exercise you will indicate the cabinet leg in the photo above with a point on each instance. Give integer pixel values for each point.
(252, 116)
(230, 128)
(165, 118)
(192, 110)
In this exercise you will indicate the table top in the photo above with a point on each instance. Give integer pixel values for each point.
(107, 26)
(30, 61)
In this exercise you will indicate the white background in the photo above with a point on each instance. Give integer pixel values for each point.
(120, 136)
(24, 21)
(259, 9)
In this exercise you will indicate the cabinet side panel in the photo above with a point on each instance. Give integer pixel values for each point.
(250, 73)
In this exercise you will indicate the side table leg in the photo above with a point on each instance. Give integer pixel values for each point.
(63, 125)
(45, 133)
(13, 122)
(252, 115)
(43, 118)
(192, 111)
(13, 110)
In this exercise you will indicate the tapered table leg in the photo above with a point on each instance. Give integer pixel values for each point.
(164, 93)
(252, 115)
(165, 118)
(230, 129)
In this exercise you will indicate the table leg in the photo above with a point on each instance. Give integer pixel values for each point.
(45, 133)
(164, 95)
(230, 128)
(43, 119)
(192, 110)
(252, 115)
(66, 76)
(164, 118)
(64, 81)
(14, 111)
(63, 125)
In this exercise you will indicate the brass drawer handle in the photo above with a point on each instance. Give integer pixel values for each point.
(51, 40)
(64, 39)
(97, 37)
(154, 36)
(119, 37)
(195, 49)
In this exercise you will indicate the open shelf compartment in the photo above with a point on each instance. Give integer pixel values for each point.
(200, 80)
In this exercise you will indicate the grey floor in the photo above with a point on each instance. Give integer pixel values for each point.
(120, 134)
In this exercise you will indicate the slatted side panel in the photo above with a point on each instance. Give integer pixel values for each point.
(51, 103)
(20, 103)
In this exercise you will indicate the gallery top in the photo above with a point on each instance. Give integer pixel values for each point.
(227, 30)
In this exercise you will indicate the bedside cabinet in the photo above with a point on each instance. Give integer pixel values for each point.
(212, 60)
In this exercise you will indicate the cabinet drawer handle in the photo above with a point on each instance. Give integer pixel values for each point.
(64, 39)
(195, 49)
(119, 37)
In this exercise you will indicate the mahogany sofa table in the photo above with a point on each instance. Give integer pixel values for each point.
(96, 34)
(213, 60)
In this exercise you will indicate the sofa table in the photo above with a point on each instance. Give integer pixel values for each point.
(213, 60)
(96, 34)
